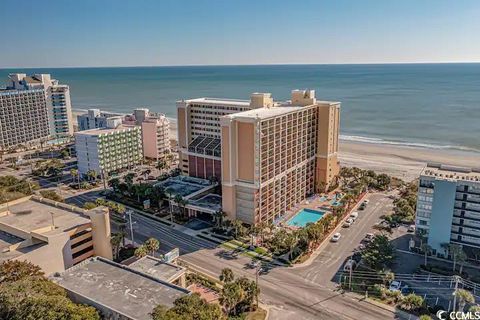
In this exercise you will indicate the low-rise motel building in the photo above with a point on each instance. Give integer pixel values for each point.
(269, 155)
(448, 207)
(52, 235)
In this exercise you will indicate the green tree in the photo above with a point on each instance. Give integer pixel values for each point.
(412, 302)
(379, 253)
(232, 294)
(89, 205)
(219, 217)
(189, 307)
(52, 195)
(290, 243)
(141, 251)
(114, 183)
(426, 251)
(13, 270)
(152, 245)
(92, 175)
(463, 297)
(425, 317)
(117, 239)
(226, 275)
(474, 308)
(75, 176)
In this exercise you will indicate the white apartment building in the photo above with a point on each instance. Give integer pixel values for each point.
(448, 207)
(57, 100)
(108, 149)
(23, 117)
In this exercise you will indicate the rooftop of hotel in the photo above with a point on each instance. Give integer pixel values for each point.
(100, 131)
(445, 172)
(158, 269)
(33, 215)
(211, 202)
(220, 101)
(127, 291)
(184, 186)
(264, 113)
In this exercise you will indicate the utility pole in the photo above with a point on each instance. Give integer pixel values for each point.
(455, 293)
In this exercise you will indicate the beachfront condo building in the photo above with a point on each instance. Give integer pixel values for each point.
(52, 235)
(448, 207)
(95, 118)
(23, 118)
(155, 137)
(57, 100)
(199, 136)
(104, 150)
(275, 156)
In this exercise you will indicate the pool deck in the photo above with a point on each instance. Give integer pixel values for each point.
(316, 202)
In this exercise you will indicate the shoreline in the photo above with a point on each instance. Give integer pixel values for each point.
(405, 162)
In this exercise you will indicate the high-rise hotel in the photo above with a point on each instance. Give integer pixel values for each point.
(268, 155)
(33, 108)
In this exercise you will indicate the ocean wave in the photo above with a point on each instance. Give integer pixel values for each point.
(406, 144)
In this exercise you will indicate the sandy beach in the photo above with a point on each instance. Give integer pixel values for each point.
(399, 161)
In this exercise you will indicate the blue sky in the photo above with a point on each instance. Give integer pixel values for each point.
(61, 33)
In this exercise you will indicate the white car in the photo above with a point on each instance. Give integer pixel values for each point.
(395, 285)
(348, 223)
(354, 215)
(411, 228)
(350, 265)
(366, 201)
(336, 237)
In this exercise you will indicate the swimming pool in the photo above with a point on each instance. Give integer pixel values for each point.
(305, 216)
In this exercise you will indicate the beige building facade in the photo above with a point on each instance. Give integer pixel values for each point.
(274, 156)
(155, 137)
(52, 235)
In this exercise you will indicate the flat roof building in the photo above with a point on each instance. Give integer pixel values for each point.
(54, 236)
(275, 156)
(104, 150)
(118, 291)
(155, 136)
(448, 207)
(95, 118)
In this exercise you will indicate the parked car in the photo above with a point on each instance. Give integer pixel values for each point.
(348, 223)
(362, 206)
(395, 285)
(336, 237)
(366, 201)
(406, 290)
(350, 265)
(411, 228)
(354, 215)
(368, 237)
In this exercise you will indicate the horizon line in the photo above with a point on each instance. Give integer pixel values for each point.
(244, 65)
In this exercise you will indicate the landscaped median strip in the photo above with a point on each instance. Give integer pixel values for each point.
(235, 244)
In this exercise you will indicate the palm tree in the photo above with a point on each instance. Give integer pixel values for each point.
(456, 251)
(92, 175)
(226, 275)
(426, 249)
(141, 251)
(169, 194)
(237, 225)
(463, 297)
(152, 245)
(116, 240)
(290, 243)
(75, 175)
(219, 217)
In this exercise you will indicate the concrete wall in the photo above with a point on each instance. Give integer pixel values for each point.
(245, 151)
(101, 233)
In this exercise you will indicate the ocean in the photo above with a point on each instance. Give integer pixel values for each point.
(425, 105)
